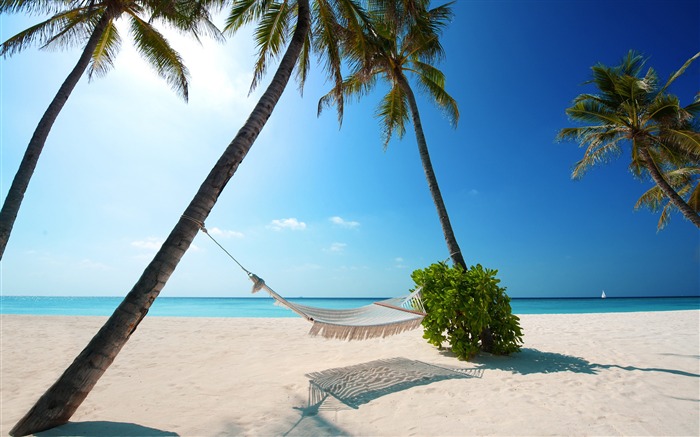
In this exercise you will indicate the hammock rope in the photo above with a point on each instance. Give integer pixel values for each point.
(379, 319)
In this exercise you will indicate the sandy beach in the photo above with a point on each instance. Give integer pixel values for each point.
(589, 374)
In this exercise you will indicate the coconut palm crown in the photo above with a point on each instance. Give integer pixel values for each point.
(407, 45)
(634, 109)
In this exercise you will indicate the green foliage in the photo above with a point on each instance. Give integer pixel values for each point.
(461, 305)
(630, 108)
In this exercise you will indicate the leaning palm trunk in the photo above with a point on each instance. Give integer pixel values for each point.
(452, 246)
(64, 397)
(15, 195)
(666, 188)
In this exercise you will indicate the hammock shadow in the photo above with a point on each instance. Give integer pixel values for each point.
(105, 429)
(356, 385)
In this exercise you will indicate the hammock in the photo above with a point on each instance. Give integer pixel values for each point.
(379, 319)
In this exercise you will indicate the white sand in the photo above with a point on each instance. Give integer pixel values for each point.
(593, 374)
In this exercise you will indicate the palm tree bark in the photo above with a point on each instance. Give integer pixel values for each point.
(666, 188)
(64, 397)
(15, 195)
(452, 246)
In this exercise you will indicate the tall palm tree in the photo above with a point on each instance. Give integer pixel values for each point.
(93, 23)
(631, 108)
(61, 400)
(403, 40)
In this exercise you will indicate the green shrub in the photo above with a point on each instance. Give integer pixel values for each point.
(464, 306)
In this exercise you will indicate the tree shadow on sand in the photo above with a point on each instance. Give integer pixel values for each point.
(105, 429)
(529, 361)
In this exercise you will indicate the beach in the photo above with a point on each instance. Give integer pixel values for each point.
(578, 374)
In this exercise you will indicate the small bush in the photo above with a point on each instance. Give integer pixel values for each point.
(462, 305)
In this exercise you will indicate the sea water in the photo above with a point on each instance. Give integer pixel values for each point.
(264, 307)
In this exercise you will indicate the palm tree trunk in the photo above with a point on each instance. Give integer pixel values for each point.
(64, 397)
(15, 195)
(452, 246)
(666, 188)
(455, 252)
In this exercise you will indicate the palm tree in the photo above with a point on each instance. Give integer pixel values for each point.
(61, 400)
(403, 40)
(94, 23)
(631, 108)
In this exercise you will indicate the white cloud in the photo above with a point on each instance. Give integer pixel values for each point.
(337, 247)
(92, 265)
(288, 223)
(473, 192)
(224, 233)
(344, 223)
(304, 268)
(150, 243)
(399, 263)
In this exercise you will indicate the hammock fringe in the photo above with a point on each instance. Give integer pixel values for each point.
(344, 332)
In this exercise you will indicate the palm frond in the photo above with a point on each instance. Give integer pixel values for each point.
(32, 7)
(245, 12)
(304, 63)
(598, 153)
(442, 14)
(192, 17)
(157, 51)
(602, 101)
(685, 182)
(393, 114)
(270, 37)
(685, 142)
(76, 29)
(105, 52)
(432, 81)
(666, 110)
(328, 40)
(631, 65)
(604, 79)
(591, 111)
(680, 71)
(694, 108)
(694, 198)
(630, 88)
(40, 33)
(354, 86)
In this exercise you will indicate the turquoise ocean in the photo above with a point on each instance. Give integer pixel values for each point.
(264, 307)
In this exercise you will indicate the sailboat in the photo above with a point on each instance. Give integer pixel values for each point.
(603, 295)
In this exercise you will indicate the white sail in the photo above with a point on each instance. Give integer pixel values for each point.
(603, 295)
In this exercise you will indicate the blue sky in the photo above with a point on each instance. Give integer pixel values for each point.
(322, 211)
